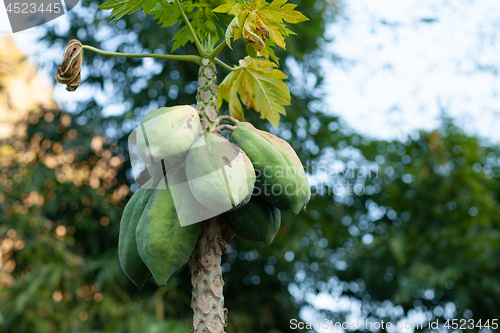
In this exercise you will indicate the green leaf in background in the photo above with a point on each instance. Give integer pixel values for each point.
(121, 8)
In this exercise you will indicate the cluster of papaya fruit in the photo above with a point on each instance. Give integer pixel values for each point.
(199, 174)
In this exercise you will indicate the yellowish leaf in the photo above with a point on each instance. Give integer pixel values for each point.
(278, 11)
(258, 20)
(259, 85)
(231, 31)
(228, 7)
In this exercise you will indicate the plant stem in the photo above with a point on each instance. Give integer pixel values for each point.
(200, 47)
(207, 302)
(206, 276)
(220, 128)
(206, 97)
(222, 64)
(217, 50)
(189, 58)
(230, 119)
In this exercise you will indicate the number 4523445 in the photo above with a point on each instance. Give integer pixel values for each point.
(470, 324)
(31, 8)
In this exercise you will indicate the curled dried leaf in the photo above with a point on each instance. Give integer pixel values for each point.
(69, 72)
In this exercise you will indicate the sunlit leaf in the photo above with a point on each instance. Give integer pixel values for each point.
(258, 20)
(230, 31)
(258, 85)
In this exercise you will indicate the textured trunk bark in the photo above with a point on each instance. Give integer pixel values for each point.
(207, 299)
(206, 98)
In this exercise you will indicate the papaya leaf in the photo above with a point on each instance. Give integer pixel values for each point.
(258, 85)
(251, 51)
(168, 14)
(230, 31)
(269, 47)
(121, 8)
(258, 20)
(200, 14)
(180, 38)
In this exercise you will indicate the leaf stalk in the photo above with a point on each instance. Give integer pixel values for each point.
(226, 66)
(188, 58)
(217, 50)
(200, 47)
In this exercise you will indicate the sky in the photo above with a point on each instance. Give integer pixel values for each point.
(408, 62)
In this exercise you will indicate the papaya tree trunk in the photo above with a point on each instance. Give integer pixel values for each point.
(206, 98)
(207, 299)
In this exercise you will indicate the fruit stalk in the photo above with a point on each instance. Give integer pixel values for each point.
(207, 299)
(207, 302)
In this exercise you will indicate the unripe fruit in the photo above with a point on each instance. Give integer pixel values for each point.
(157, 173)
(281, 178)
(220, 174)
(166, 134)
(256, 221)
(162, 243)
(130, 261)
(189, 210)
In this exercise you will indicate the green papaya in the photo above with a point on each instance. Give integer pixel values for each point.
(220, 175)
(281, 179)
(256, 221)
(157, 173)
(130, 261)
(162, 243)
(189, 210)
(166, 134)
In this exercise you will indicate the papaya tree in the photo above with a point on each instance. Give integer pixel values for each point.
(202, 189)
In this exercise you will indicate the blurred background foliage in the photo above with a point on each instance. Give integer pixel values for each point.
(395, 229)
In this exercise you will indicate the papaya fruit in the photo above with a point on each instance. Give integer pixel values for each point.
(163, 245)
(256, 221)
(130, 261)
(220, 175)
(157, 173)
(166, 134)
(281, 179)
(189, 210)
